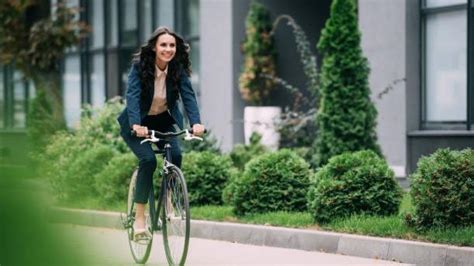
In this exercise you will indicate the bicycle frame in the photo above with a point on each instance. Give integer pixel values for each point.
(155, 212)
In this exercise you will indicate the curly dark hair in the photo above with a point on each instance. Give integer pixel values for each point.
(145, 58)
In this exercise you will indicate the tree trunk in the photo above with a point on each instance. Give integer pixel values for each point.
(45, 116)
(50, 84)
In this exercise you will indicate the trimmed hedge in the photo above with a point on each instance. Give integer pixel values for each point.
(353, 183)
(242, 154)
(79, 175)
(206, 174)
(271, 182)
(113, 181)
(442, 190)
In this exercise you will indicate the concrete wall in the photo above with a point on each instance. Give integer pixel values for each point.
(383, 27)
(217, 69)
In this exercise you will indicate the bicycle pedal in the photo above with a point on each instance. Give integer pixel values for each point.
(126, 222)
(159, 225)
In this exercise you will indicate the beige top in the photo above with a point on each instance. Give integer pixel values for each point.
(159, 104)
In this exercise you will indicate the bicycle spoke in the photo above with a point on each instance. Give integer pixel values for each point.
(176, 233)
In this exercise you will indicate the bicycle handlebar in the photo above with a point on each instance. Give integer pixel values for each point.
(154, 135)
(166, 134)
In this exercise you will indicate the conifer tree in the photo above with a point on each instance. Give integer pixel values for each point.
(346, 116)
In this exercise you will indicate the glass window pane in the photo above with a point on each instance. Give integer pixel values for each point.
(72, 90)
(97, 81)
(195, 63)
(2, 99)
(19, 100)
(165, 13)
(54, 6)
(129, 23)
(96, 19)
(446, 56)
(125, 63)
(112, 23)
(438, 3)
(195, 68)
(192, 18)
(73, 3)
(146, 19)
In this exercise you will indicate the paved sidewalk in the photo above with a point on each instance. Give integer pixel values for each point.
(105, 246)
(412, 252)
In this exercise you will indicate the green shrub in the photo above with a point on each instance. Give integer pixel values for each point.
(346, 116)
(206, 174)
(353, 183)
(41, 123)
(98, 127)
(272, 182)
(229, 188)
(57, 158)
(442, 189)
(241, 154)
(80, 172)
(113, 181)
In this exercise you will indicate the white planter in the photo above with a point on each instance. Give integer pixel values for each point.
(263, 120)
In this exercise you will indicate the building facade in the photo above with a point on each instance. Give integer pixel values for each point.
(419, 54)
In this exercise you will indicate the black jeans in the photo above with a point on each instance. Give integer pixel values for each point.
(146, 157)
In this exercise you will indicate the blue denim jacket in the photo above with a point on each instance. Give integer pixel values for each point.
(136, 110)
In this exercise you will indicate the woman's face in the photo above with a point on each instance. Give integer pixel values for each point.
(165, 48)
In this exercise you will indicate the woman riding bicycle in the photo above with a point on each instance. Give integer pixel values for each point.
(159, 76)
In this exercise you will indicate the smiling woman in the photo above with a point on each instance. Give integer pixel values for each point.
(159, 76)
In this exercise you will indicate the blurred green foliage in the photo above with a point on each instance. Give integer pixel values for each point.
(27, 237)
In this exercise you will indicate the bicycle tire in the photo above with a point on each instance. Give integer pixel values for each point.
(140, 250)
(176, 220)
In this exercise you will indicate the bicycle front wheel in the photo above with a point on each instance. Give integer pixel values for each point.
(176, 217)
(140, 248)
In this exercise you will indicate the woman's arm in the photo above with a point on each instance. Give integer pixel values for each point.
(133, 96)
(189, 99)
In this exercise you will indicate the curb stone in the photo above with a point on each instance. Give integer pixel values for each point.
(414, 252)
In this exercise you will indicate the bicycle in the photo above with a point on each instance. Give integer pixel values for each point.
(173, 205)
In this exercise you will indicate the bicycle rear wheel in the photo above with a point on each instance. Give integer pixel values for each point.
(176, 218)
(140, 249)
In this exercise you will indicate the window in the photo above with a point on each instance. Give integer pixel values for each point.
(112, 23)
(72, 90)
(190, 30)
(97, 80)
(19, 100)
(146, 20)
(440, 3)
(96, 20)
(165, 11)
(445, 53)
(129, 25)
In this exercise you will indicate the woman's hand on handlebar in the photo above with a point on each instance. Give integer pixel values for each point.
(141, 131)
(198, 130)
